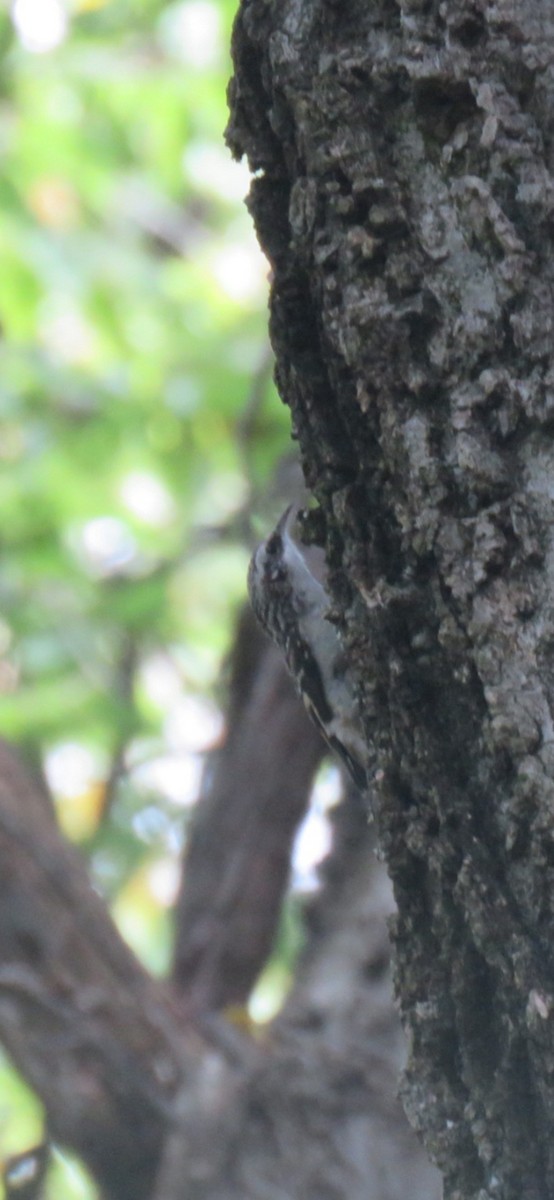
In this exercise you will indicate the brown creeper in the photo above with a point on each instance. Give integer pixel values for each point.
(292, 605)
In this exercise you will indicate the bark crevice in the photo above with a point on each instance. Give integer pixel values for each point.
(420, 225)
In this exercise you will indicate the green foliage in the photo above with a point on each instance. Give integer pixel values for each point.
(132, 310)
(132, 318)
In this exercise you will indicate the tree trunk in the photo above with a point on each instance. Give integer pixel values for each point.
(403, 195)
(404, 199)
(158, 1091)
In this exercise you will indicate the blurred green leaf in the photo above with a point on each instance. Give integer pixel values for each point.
(132, 333)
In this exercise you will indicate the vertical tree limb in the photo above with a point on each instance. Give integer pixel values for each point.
(255, 793)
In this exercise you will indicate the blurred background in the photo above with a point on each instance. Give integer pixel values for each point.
(141, 444)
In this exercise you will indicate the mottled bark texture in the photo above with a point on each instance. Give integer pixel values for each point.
(315, 1113)
(404, 196)
(161, 1105)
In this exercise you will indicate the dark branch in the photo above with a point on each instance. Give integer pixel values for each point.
(237, 861)
(82, 1020)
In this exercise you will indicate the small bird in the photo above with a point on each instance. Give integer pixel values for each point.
(291, 604)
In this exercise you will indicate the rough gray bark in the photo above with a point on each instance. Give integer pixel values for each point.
(314, 1113)
(404, 196)
(159, 1104)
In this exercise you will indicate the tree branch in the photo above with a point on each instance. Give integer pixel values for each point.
(82, 1020)
(237, 863)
